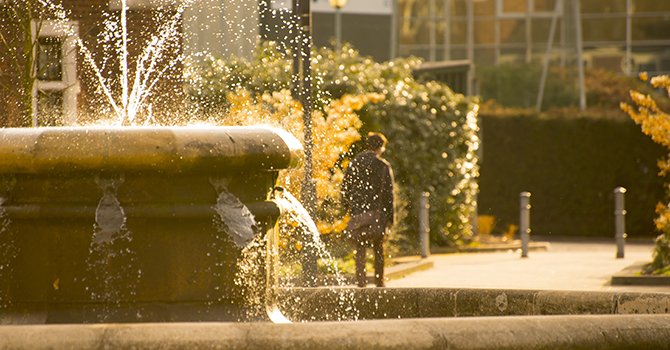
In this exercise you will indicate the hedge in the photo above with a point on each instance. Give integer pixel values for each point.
(571, 166)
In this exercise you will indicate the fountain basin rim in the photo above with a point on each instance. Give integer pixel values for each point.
(147, 149)
(473, 333)
(261, 209)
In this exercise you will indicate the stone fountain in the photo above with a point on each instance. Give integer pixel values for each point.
(140, 229)
(122, 224)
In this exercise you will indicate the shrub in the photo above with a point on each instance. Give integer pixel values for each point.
(655, 123)
(432, 130)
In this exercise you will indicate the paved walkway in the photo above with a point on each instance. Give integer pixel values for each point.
(565, 266)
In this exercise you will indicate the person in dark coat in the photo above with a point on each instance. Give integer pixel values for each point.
(368, 186)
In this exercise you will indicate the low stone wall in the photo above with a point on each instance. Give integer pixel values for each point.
(540, 320)
(321, 304)
(471, 333)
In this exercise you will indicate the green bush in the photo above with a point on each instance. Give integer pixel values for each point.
(516, 86)
(432, 131)
(571, 167)
(432, 134)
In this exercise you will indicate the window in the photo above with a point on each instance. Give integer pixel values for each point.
(49, 58)
(50, 108)
(56, 89)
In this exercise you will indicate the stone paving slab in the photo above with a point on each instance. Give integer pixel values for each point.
(565, 265)
(406, 265)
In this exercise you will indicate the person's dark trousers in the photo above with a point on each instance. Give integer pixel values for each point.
(359, 258)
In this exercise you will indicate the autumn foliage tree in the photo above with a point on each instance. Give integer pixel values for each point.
(655, 123)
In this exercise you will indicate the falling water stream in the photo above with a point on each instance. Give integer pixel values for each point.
(232, 215)
(7, 250)
(111, 261)
(295, 212)
(257, 267)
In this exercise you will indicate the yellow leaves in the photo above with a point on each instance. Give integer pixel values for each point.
(663, 220)
(336, 226)
(656, 124)
(332, 135)
(663, 81)
(652, 120)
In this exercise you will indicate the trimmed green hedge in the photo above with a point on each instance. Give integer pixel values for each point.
(571, 166)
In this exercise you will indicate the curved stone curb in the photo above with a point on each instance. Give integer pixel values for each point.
(630, 277)
(322, 304)
(403, 269)
(539, 332)
(489, 248)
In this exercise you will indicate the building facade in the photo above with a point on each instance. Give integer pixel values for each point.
(624, 36)
(75, 56)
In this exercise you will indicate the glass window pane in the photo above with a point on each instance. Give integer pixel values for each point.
(652, 6)
(604, 6)
(654, 28)
(418, 52)
(650, 59)
(485, 8)
(512, 31)
(459, 32)
(544, 5)
(458, 8)
(541, 28)
(484, 32)
(413, 8)
(414, 32)
(50, 108)
(439, 7)
(514, 6)
(439, 34)
(604, 29)
(458, 53)
(49, 56)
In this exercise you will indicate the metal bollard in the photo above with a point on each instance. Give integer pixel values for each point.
(619, 221)
(424, 226)
(524, 222)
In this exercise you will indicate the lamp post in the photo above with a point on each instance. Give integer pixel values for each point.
(338, 4)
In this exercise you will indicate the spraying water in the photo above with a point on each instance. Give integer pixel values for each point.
(109, 215)
(294, 212)
(232, 215)
(126, 89)
(7, 250)
(111, 261)
(150, 65)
